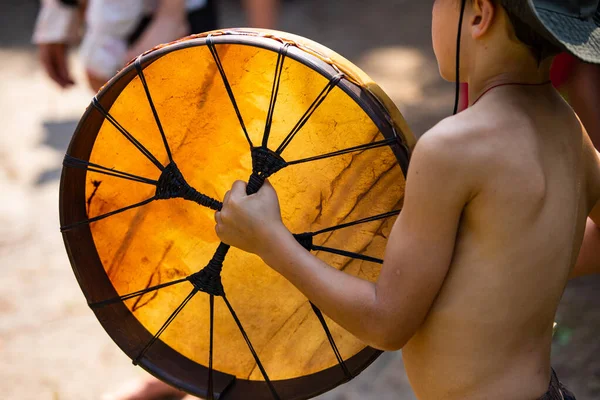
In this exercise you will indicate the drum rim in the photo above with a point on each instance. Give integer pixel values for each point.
(129, 334)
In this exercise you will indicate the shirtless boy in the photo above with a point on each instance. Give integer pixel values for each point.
(501, 208)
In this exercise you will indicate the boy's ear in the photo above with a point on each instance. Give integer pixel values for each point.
(482, 17)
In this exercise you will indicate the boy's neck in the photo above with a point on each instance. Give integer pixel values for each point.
(489, 69)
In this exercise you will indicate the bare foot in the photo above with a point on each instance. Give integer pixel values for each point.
(146, 389)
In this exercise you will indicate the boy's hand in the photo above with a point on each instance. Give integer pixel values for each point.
(250, 223)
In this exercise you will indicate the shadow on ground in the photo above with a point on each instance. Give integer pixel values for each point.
(57, 135)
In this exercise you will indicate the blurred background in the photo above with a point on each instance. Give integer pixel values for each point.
(51, 345)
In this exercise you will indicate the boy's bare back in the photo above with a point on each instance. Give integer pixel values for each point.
(489, 331)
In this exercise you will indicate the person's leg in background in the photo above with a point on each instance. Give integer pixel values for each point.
(262, 13)
(103, 48)
(168, 22)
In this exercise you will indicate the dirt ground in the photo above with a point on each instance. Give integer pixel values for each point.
(52, 347)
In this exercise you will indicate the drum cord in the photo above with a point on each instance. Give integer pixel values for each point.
(458, 40)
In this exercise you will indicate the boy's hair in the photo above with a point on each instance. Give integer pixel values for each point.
(539, 46)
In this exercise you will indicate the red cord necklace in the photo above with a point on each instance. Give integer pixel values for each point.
(506, 84)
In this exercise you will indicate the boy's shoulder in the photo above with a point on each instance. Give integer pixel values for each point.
(457, 148)
(463, 140)
(470, 146)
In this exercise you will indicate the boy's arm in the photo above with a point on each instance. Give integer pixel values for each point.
(588, 261)
(385, 314)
